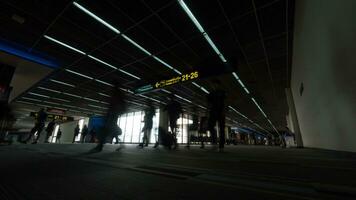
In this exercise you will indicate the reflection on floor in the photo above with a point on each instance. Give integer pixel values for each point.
(67, 171)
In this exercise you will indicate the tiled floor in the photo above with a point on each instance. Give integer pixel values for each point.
(68, 171)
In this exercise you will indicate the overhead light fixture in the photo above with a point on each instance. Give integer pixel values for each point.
(69, 106)
(240, 82)
(127, 73)
(206, 36)
(96, 17)
(89, 99)
(258, 106)
(102, 94)
(40, 95)
(61, 82)
(102, 62)
(25, 102)
(126, 90)
(31, 99)
(162, 62)
(166, 91)
(103, 82)
(177, 71)
(201, 87)
(150, 98)
(123, 35)
(136, 45)
(43, 88)
(79, 74)
(73, 95)
(202, 107)
(201, 29)
(187, 100)
(242, 115)
(191, 16)
(95, 106)
(64, 44)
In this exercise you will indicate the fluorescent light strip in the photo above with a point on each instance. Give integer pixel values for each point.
(246, 90)
(235, 75)
(79, 74)
(150, 98)
(164, 63)
(94, 106)
(201, 29)
(201, 107)
(201, 87)
(103, 102)
(206, 36)
(96, 17)
(64, 44)
(43, 88)
(242, 115)
(177, 71)
(187, 100)
(61, 82)
(102, 94)
(40, 95)
(103, 82)
(73, 95)
(124, 36)
(102, 62)
(166, 91)
(191, 16)
(69, 106)
(136, 45)
(125, 72)
(31, 99)
(258, 106)
(126, 90)
(25, 102)
(60, 99)
(89, 99)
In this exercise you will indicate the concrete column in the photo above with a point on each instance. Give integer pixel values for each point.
(294, 118)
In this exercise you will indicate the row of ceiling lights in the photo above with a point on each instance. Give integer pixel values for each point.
(195, 21)
(91, 14)
(222, 58)
(109, 65)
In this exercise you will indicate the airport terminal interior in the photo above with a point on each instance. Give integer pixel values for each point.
(177, 99)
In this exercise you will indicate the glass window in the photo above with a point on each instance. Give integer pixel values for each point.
(128, 128)
(136, 127)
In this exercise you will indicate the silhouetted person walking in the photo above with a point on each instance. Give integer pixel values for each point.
(92, 134)
(39, 125)
(174, 110)
(148, 119)
(76, 132)
(49, 129)
(117, 106)
(217, 113)
(85, 132)
(59, 135)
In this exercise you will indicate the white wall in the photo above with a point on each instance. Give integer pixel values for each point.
(324, 59)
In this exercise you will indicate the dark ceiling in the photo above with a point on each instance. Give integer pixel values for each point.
(256, 33)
